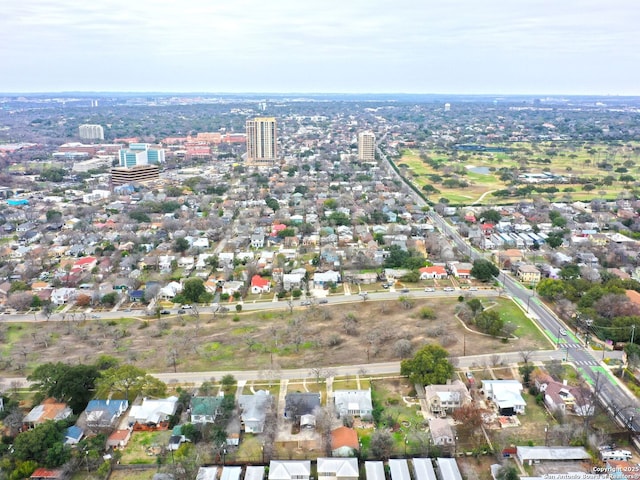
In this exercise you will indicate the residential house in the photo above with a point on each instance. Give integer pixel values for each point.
(337, 468)
(289, 470)
(73, 435)
(231, 473)
(205, 409)
(353, 402)
(85, 264)
(344, 442)
(302, 407)
(510, 256)
(528, 274)
(62, 296)
(437, 272)
(292, 281)
(169, 291)
(48, 474)
(232, 287)
(104, 413)
(443, 399)
(558, 396)
(254, 409)
(506, 394)
(442, 433)
(153, 411)
(323, 279)
(461, 269)
(119, 438)
(49, 409)
(260, 285)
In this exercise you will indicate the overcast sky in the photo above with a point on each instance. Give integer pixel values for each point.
(350, 46)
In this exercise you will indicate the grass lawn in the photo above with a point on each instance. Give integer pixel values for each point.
(510, 312)
(146, 474)
(144, 446)
(250, 449)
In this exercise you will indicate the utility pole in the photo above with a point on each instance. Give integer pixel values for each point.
(633, 332)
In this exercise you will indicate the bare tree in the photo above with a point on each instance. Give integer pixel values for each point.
(526, 355)
(495, 360)
(402, 348)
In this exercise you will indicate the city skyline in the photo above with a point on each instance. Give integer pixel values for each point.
(377, 46)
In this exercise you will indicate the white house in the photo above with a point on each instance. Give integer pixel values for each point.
(337, 468)
(61, 296)
(353, 402)
(321, 279)
(289, 470)
(506, 394)
(153, 411)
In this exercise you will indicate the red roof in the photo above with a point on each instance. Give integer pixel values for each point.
(344, 437)
(434, 269)
(258, 281)
(46, 473)
(85, 261)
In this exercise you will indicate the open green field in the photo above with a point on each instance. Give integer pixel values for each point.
(482, 170)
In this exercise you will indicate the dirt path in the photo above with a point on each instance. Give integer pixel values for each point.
(481, 197)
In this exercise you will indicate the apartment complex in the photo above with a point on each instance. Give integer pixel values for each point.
(262, 140)
(366, 147)
(140, 154)
(91, 132)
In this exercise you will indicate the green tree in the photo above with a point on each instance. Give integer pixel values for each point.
(193, 289)
(570, 271)
(129, 382)
(475, 305)
(18, 286)
(72, 384)
(507, 472)
(273, 204)
(228, 382)
(491, 215)
(484, 270)
(109, 299)
(36, 443)
(555, 238)
(181, 245)
(430, 365)
(551, 289)
(490, 322)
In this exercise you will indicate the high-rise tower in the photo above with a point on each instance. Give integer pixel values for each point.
(366, 147)
(262, 141)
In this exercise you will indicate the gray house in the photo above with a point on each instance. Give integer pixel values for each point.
(254, 410)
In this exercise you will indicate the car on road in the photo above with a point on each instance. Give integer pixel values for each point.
(404, 290)
(186, 307)
(305, 302)
(385, 285)
(182, 310)
(563, 332)
(429, 289)
(473, 289)
(95, 316)
(164, 312)
(449, 289)
(323, 300)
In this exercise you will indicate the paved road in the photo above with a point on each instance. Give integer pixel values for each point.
(612, 394)
(365, 369)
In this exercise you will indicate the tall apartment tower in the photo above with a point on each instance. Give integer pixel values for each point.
(262, 141)
(366, 147)
(91, 132)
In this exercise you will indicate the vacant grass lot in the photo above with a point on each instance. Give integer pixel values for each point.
(144, 447)
(313, 336)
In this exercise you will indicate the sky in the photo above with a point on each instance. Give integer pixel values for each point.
(500, 47)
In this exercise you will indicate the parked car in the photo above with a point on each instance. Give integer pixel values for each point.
(404, 290)
(473, 289)
(305, 302)
(449, 289)
(429, 289)
(186, 307)
(182, 310)
(323, 300)
(95, 316)
(164, 312)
